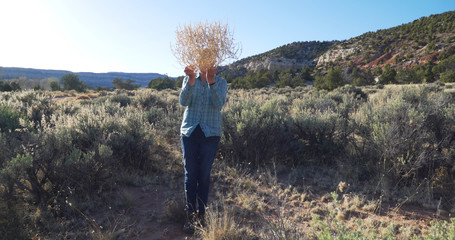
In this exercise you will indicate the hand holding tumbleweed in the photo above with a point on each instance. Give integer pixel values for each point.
(189, 71)
(208, 75)
(204, 45)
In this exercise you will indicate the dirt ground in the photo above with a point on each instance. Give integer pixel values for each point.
(148, 221)
(147, 212)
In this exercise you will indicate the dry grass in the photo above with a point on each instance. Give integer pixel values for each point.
(59, 94)
(222, 224)
(87, 96)
(205, 45)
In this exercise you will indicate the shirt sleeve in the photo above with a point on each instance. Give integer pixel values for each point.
(185, 94)
(218, 92)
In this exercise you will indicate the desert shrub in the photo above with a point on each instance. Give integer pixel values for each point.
(122, 99)
(351, 90)
(162, 110)
(315, 125)
(413, 138)
(11, 222)
(442, 230)
(256, 134)
(131, 142)
(9, 119)
(73, 156)
(35, 106)
(148, 98)
(322, 123)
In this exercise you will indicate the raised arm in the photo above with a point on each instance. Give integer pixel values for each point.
(187, 86)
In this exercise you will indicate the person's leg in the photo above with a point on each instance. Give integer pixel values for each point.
(190, 160)
(207, 152)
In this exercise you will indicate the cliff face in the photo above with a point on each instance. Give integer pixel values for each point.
(277, 64)
(291, 56)
(336, 54)
(428, 39)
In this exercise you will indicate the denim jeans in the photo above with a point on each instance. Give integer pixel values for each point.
(198, 156)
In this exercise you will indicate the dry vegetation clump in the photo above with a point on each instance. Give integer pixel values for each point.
(87, 96)
(223, 224)
(205, 45)
(60, 94)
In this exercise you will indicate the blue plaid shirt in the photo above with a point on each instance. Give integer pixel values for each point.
(203, 104)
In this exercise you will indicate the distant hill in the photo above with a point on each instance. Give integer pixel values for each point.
(89, 78)
(428, 39)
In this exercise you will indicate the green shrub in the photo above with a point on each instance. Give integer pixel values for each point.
(71, 81)
(162, 83)
(333, 79)
(448, 76)
(10, 120)
(442, 230)
(412, 139)
(11, 221)
(255, 134)
(130, 143)
(315, 122)
(122, 99)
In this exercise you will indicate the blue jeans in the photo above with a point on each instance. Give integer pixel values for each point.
(198, 155)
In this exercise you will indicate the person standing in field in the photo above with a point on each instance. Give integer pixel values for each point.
(203, 96)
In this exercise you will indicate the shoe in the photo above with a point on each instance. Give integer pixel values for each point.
(201, 218)
(189, 227)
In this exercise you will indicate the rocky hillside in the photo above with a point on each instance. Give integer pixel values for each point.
(421, 41)
(426, 39)
(291, 56)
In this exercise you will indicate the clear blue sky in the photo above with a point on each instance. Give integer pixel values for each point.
(136, 35)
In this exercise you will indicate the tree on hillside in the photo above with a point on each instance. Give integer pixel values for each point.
(179, 81)
(388, 75)
(54, 85)
(9, 86)
(448, 76)
(306, 73)
(284, 79)
(127, 84)
(362, 78)
(445, 67)
(258, 79)
(408, 76)
(162, 83)
(71, 81)
(333, 79)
